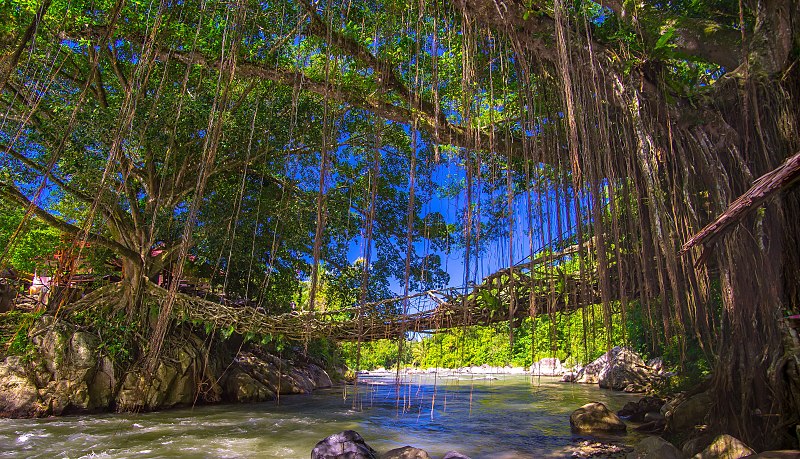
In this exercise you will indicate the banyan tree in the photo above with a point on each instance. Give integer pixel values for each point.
(658, 139)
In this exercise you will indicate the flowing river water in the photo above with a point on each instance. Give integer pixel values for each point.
(500, 416)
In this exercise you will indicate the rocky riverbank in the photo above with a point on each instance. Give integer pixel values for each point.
(681, 419)
(67, 370)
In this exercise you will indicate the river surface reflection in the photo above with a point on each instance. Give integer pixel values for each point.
(499, 416)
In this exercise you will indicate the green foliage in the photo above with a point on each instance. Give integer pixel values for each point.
(377, 354)
(688, 360)
(325, 352)
(120, 338)
(34, 247)
(227, 332)
(14, 334)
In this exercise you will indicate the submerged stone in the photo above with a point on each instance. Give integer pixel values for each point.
(587, 449)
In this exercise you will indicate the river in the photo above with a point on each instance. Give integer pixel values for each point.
(506, 417)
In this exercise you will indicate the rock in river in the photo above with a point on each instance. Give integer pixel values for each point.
(625, 368)
(18, 394)
(343, 445)
(596, 417)
(618, 369)
(67, 370)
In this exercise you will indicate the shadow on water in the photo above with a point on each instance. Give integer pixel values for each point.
(510, 416)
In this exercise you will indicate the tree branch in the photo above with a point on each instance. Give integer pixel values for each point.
(422, 110)
(12, 193)
(109, 212)
(7, 65)
(703, 38)
(112, 58)
(48, 174)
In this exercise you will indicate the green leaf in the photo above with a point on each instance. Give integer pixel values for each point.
(664, 39)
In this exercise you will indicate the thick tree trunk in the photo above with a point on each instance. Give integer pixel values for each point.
(757, 261)
(134, 282)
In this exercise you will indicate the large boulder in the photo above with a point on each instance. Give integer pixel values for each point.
(301, 382)
(71, 366)
(725, 447)
(18, 394)
(624, 368)
(593, 372)
(549, 366)
(656, 364)
(617, 369)
(65, 371)
(696, 444)
(646, 409)
(277, 375)
(257, 376)
(142, 391)
(103, 385)
(242, 387)
(571, 375)
(596, 417)
(590, 374)
(64, 375)
(406, 452)
(319, 376)
(655, 448)
(343, 445)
